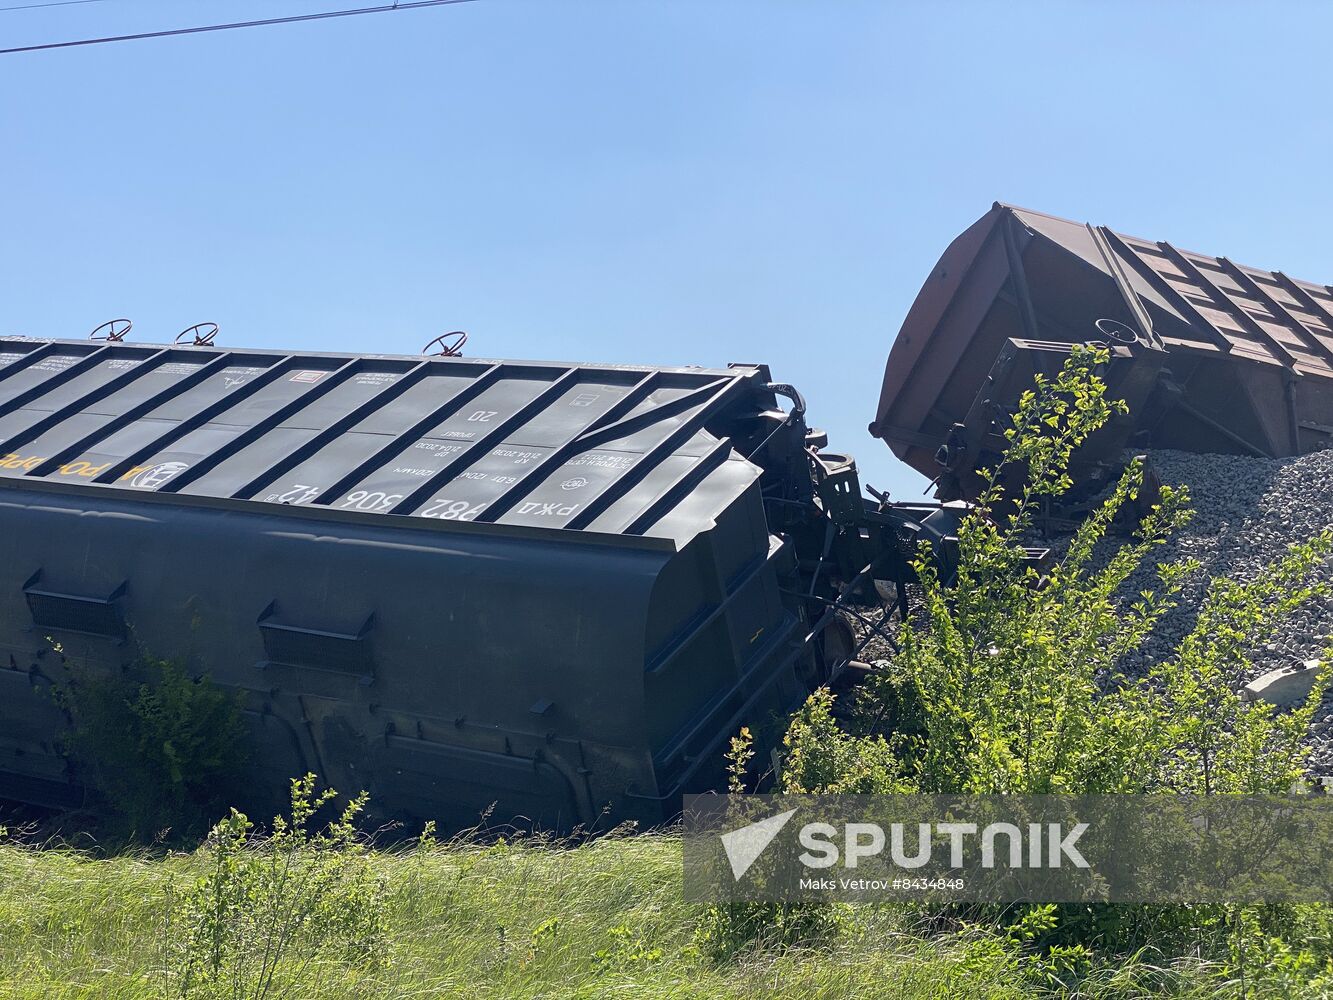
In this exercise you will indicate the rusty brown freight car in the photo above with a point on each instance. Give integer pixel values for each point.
(1212, 356)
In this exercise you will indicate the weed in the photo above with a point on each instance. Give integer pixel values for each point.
(164, 749)
(268, 912)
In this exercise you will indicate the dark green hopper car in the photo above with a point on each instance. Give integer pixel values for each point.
(552, 589)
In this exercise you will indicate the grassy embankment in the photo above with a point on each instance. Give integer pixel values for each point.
(603, 920)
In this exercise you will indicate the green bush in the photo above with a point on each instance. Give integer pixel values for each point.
(1009, 682)
(165, 750)
(270, 912)
(1011, 676)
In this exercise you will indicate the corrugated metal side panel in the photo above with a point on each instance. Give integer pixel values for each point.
(1242, 305)
(543, 445)
(1206, 305)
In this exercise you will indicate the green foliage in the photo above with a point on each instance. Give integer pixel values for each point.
(165, 750)
(1282, 952)
(1009, 679)
(1023, 947)
(625, 950)
(728, 930)
(268, 911)
(738, 760)
(821, 757)
(543, 936)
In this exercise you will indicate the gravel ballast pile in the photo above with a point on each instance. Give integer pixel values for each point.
(1246, 512)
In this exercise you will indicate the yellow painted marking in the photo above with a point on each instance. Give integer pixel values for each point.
(24, 462)
(83, 469)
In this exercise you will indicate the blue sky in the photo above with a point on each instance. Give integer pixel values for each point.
(656, 183)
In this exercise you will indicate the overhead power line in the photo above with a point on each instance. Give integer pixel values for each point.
(53, 3)
(293, 19)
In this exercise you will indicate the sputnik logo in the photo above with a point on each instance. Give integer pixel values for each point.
(744, 846)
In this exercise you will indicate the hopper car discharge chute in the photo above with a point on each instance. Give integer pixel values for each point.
(1212, 356)
(555, 588)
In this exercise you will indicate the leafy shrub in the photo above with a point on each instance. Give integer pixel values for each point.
(165, 750)
(1009, 682)
(1012, 676)
(822, 757)
(728, 930)
(1024, 947)
(270, 911)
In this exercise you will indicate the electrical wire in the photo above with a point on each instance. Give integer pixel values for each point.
(293, 19)
(53, 3)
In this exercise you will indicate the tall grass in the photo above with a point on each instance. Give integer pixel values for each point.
(511, 920)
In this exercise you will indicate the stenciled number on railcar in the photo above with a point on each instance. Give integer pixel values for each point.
(452, 510)
(374, 501)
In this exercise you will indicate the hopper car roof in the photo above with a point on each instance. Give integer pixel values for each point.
(607, 450)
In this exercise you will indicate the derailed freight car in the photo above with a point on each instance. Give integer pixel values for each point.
(1211, 356)
(552, 589)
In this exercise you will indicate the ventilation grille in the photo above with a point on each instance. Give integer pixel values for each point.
(317, 649)
(75, 612)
